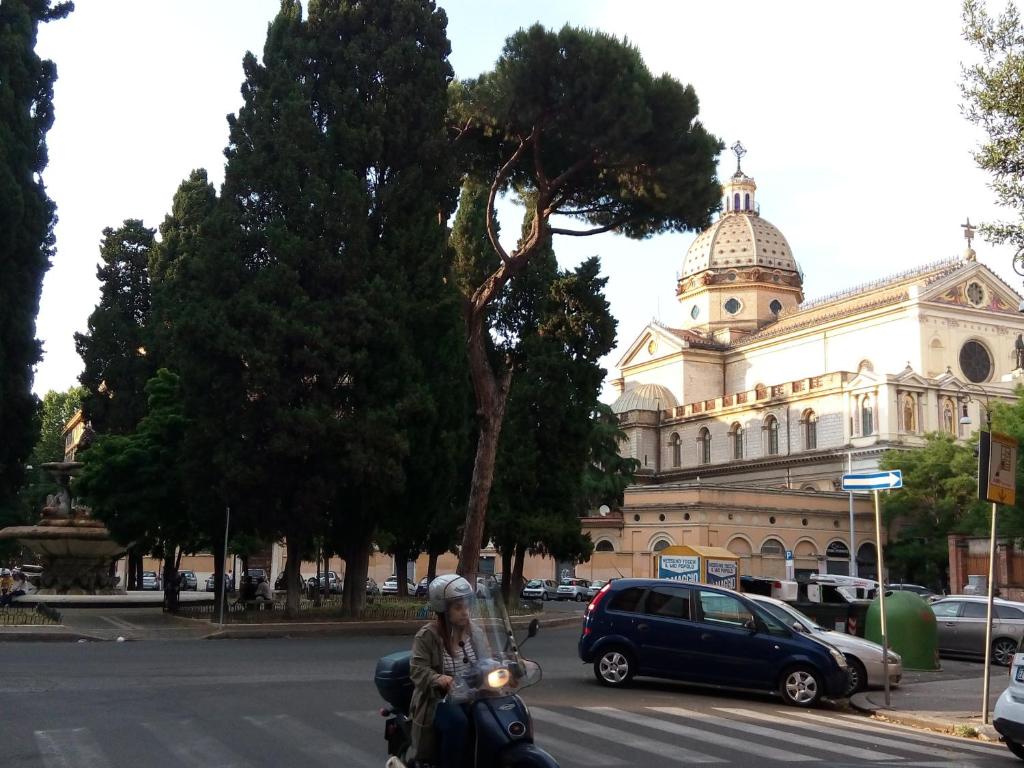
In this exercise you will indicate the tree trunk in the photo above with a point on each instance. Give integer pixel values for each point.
(170, 575)
(291, 575)
(402, 573)
(517, 569)
(357, 564)
(432, 567)
(219, 591)
(491, 394)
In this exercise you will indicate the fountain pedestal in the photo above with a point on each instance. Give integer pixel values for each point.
(75, 550)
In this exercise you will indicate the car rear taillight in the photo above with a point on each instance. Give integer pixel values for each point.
(598, 598)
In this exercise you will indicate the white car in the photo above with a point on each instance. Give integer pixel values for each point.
(389, 587)
(573, 589)
(540, 589)
(863, 656)
(1008, 718)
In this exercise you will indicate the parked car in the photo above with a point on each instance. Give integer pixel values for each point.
(961, 623)
(573, 589)
(540, 589)
(595, 587)
(335, 584)
(371, 587)
(917, 589)
(188, 580)
(421, 588)
(863, 656)
(256, 574)
(211, 582)
(708, 636)
(281, 583)
(1008, 717)
(150, 580)
(389, 587)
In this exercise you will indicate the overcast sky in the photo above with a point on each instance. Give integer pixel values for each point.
(850, 114)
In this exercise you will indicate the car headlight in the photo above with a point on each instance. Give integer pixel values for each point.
(839, 658)
(894, 659)
(497, 678)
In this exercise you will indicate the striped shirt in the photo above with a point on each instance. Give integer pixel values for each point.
(463, 661)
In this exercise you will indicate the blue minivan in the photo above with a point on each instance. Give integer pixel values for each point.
(704, 635)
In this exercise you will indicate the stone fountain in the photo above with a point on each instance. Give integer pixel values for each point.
(75, 550)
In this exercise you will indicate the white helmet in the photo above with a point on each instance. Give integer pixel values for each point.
(446, 588)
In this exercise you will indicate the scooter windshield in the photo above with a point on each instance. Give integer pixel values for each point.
(500, 668)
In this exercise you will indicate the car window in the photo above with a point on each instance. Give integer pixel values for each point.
(777, 621)
(975, 611)
(627, 601)
(670, 602)
(1008, 612)
(723, 609)
(534, 583)
(946, 610)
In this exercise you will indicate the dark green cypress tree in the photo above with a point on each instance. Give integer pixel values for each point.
(27, 218)
(115, 348)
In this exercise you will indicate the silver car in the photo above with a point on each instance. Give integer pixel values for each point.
(540, 589)
(863, 656)
(961, 623)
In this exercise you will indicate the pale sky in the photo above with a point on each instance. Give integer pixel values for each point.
(850, 114)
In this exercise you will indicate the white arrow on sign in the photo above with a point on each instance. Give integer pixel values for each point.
(873, 481)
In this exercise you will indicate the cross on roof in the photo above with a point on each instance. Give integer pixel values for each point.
(968, 231)
(740, 151)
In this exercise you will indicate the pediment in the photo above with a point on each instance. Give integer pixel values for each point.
(908, 378)
(653, 343)
(977, 287)
(865, 378)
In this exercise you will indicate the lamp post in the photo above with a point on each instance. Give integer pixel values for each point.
(986, 435)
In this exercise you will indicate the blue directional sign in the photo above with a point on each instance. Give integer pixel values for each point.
(873, 481)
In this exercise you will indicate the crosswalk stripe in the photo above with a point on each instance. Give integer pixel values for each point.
(771, 733)
(717, 739)
(567, 752)
(624, 738)
(314, 743)
(191, 746)
(70, 748)
(842, 733)
(867, 725)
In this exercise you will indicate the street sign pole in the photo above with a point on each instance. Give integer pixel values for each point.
(988, 618)
(881, 595)
(853, 543)
(223, 587)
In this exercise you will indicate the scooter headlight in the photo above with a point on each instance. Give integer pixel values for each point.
(497, 678)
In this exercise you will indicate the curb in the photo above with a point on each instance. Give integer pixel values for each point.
(405, 627)
(35, 635)
(862, 703)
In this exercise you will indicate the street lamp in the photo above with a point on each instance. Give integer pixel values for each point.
(984, 402)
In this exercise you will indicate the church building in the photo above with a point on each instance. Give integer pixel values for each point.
(745, 412)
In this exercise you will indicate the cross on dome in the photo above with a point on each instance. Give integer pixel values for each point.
(739, 151)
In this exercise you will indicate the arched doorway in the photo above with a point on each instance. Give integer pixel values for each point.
(867, 561)
(837, 558)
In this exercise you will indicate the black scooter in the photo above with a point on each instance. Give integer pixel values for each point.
(500, 728)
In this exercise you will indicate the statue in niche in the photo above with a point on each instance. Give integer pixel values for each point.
(1018, 347)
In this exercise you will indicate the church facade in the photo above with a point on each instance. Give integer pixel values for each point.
(756, 388)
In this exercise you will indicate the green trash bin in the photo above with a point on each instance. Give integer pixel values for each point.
(913, 633)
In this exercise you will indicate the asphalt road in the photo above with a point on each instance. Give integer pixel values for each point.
(312, 702)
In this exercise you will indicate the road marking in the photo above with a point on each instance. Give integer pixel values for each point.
(842, 733)
(119, 623)
(567, 752)
(866, 724)
(314, 743)
(191, 746)
(70, 748)
(772, 733)
(717, 739)
(624, 738)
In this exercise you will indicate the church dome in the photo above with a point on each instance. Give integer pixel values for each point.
(645, 397)
(740, 239)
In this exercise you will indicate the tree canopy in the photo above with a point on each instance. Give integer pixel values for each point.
(27, 218)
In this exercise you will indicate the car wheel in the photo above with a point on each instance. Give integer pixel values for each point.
(544, 596)
(613, 668)
(579, 598)
(1003, 649)
(858, 676)
(800, 687)
(1016, 747)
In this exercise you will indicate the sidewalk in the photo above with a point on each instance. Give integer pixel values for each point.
(939, 701)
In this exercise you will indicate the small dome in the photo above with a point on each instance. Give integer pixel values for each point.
(645, 397)
(740, 239)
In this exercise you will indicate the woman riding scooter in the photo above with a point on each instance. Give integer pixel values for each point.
(443, 650)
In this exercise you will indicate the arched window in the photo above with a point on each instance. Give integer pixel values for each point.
(909, 414)
(736, 435)
(604, 546)
(810, 421)
(771, 426)
(948, 416)
(704, 446)
(736, 202)
(660, 544)
(772, 548)
(746, 202)
(677, 452)
(867, 416)
(865, 365)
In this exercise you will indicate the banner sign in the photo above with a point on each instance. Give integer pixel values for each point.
(679, 568)
(997, 468)
(722, 573)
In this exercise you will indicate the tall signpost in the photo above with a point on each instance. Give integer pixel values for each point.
(876, 481)
(997, 482)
